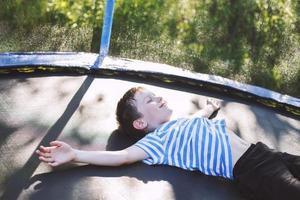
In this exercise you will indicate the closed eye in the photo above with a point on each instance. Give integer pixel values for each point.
(149, 100)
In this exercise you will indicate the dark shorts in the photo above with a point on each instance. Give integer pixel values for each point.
(263, 173)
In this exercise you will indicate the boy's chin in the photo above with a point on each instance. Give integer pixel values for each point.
(170, 113)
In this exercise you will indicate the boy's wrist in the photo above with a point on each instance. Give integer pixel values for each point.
(210, 108)
(76, 155)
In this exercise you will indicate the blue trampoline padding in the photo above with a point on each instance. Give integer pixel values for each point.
(66, 59)
(84, 64)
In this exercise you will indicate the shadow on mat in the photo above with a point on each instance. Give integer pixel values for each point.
(19, 179)
(82, 181)
(185, 185)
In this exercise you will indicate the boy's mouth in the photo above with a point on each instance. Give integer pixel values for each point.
(163, 104)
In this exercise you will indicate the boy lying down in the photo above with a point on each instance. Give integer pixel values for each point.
(195, 143)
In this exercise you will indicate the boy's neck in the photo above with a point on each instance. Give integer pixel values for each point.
(152, 127)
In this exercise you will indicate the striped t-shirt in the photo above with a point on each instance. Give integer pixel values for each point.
(192, 144)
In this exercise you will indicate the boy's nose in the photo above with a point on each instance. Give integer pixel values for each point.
(159, 99)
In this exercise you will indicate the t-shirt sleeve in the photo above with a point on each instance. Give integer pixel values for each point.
(153, 146)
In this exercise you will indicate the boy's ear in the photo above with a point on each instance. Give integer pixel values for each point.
(139, 124)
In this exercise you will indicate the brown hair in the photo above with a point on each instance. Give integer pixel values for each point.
(127, 112)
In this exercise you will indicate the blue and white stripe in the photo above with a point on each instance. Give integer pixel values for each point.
(192, 144)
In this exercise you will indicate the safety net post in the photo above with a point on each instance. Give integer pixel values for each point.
(106, 30)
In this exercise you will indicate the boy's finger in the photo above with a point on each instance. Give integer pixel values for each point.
(38, 152)
(47, 160)
(41, 159)
(53, 164)
(56, 143)
(46, 155)
(45, 149)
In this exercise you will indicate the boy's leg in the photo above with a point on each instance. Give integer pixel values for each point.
(293, 163)
(284, 185)
(262, 174)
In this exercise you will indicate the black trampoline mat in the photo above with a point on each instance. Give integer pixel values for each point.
(81, 111)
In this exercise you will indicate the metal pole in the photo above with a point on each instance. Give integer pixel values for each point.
(106, 28)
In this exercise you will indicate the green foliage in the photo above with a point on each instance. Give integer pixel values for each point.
(254, 41)
(23, 13)
(250, 37)
(73, 13)
(76, 13)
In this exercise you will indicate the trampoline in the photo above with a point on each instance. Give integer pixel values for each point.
(72, 97)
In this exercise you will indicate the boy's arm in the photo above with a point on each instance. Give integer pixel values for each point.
(210, 107)
(59, 153)
(111, 158)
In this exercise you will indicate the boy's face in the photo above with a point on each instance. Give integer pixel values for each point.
(153, 108)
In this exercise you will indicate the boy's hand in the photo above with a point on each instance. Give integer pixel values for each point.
(213, 103)
(58, 153)
(209, 110)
